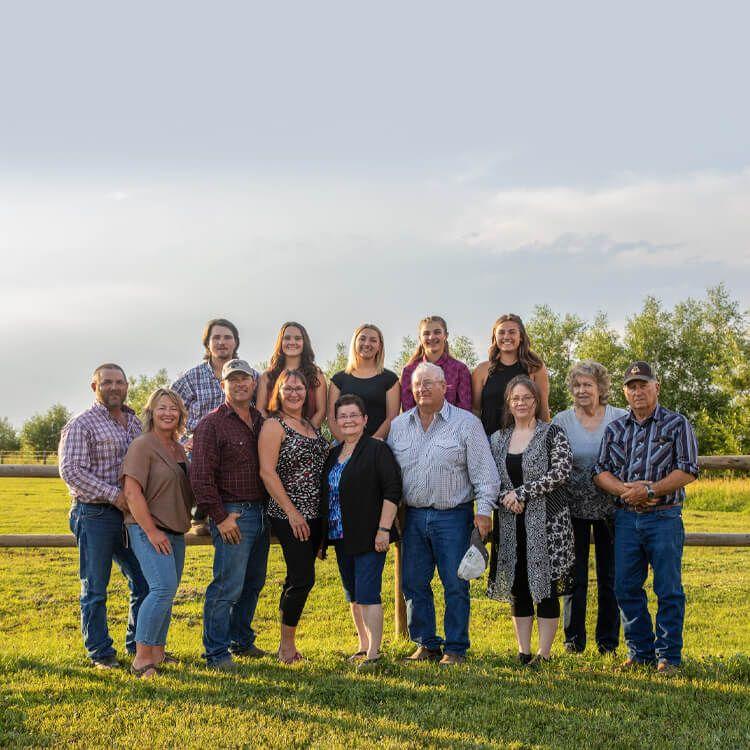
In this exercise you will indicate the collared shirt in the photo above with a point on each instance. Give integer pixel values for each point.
(225, 466)
(441, 466)
(649, 450)
(92, 448)
(201, 393)
(457, 383)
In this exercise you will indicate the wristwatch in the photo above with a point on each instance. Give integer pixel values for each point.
(650, 494)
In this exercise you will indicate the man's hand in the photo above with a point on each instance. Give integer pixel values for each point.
(229, 530)
(483, 524)
(635, 494)
(121, 503)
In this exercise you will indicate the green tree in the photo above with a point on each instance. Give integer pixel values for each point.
(8, 436)
(42, 431)
(603, 344)
(339, 361)
(554, 338)
(142, 386)
(408, 347)
(462, 348)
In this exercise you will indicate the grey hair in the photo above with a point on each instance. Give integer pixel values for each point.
(589, 368)
(427, 368)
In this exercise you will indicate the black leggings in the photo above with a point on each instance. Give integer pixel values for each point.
(521, 603)
(300, 567)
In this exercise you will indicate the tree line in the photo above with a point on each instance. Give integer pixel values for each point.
(700, 349)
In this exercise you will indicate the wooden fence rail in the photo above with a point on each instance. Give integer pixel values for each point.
(37, 471)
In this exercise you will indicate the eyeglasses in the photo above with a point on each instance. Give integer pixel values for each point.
(292, 389)
(424, 385)
(518, 400)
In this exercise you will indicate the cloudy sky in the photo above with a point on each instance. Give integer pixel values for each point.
(164, 163)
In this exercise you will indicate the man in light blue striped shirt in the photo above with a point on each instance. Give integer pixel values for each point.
(445, 462)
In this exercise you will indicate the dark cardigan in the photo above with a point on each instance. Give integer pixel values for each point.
(370, 476)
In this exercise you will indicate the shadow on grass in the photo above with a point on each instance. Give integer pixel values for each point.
(488, 702)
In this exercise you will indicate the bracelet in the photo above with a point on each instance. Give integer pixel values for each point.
(382, 528)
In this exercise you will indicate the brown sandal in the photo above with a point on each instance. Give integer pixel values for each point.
(139, 672)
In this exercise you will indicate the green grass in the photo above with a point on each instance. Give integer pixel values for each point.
(49, 696)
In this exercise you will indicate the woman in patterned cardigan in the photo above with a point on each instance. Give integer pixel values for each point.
(532, 552)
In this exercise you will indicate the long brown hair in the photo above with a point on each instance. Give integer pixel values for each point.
(274, 402)
(419, 353)
(307, 364)
(530, 385)
(531, 362)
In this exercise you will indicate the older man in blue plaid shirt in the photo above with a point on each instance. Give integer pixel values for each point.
(645, 460)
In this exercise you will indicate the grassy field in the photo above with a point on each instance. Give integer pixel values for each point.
(49, 696)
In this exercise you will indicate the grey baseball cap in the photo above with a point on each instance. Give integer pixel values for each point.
(238, 365)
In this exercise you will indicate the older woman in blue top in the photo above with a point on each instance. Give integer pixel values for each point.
(591, 509)
(361, 489)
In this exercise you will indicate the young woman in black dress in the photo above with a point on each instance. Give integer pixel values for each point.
(510, 355)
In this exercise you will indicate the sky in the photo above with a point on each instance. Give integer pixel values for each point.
(333, 163)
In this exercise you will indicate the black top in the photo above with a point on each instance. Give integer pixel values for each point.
(515, 468)
(493, 395)
(370, 476)
(372, 391)
(183, 466)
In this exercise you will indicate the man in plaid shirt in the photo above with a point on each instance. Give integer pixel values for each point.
(92, 447)
(200, 387)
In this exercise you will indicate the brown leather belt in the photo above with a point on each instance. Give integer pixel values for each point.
(651, 508)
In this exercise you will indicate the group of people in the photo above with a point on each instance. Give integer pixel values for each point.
(426, 458)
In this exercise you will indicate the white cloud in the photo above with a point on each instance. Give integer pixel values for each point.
(701, 217)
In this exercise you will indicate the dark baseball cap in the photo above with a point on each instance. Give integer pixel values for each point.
(238, 365)
(638, 371)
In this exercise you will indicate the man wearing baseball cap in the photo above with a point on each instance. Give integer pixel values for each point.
(225, 475)
(645, 460)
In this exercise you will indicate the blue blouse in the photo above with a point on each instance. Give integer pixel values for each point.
(335, 525)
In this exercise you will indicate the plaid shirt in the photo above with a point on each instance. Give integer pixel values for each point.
(457, 383)
(225, 466)
(92, 447)
(649, 450)
(201, 392)
(442, 465)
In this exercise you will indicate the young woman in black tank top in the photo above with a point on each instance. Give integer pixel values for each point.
(509, 355)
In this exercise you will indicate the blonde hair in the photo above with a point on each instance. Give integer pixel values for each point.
(590, 368)
(176, 399)
(353, 362)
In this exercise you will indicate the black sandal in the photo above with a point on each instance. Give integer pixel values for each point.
(357, 657)
(139, 672)
(169, 658)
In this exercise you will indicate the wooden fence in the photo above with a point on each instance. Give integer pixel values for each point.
(37, 471)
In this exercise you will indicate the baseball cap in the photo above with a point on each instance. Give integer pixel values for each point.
(474, 562)
(237, 365)
(638, 371)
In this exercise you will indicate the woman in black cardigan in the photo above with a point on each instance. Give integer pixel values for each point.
(361, 489)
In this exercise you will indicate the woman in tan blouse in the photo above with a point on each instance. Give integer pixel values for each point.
(159, 499)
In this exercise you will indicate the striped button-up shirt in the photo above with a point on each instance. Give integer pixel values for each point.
(92, 447)
(444, 465)
(649, 450)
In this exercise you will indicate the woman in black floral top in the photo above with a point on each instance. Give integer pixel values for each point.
(292, 453)
(532, 552)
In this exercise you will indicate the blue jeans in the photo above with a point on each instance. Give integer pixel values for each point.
(239, 576)
(436, 537)
(163, 573)
(656, 539)
(99, 534)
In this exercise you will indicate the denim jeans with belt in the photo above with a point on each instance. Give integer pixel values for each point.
(163, 574)
(239, 576)
(99, 533)
(436, 538)
(655, 539)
